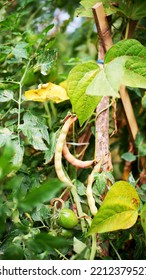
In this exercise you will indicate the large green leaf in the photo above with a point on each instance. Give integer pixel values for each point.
(119, 209)
(78, 80)
(124, 64)
(130, 48)
(43, 193)
(108, 80)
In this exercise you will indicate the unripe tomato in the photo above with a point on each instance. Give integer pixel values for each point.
(52, 233)
(66, 232)
(67, 218)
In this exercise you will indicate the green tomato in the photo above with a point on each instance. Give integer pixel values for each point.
(66, 233)
(67, 218)
(52, 233)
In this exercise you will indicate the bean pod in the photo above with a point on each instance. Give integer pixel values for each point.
(74, 161)
(89, 193)
(58, 152)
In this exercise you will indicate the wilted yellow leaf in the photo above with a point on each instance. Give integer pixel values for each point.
(46, 92)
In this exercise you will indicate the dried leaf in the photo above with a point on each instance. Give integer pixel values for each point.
(45, 92)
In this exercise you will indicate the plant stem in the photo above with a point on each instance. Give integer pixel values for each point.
(115, 250)
(93, 248)
(54, 111)
(20, 97)
(48, 114)
(79, 208)
(127, 30)
(61, 255)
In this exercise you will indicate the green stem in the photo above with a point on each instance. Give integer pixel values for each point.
(93, 248)
(79, 208)
(127, 30)
(115, 250)
(61, 255)
(48, 114)
(19, 103)
(54, 111)
(20, 97)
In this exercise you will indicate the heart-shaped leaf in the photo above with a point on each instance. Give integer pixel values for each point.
(124, 64)
(78, 80)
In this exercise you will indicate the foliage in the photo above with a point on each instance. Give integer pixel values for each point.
(48, 74)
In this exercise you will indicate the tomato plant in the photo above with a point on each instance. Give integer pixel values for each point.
(72, 130)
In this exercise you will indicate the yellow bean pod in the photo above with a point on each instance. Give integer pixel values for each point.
(58, 151)
(89, 192)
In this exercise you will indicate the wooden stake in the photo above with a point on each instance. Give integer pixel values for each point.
(106, 43)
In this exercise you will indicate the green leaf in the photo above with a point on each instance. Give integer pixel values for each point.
(36, 132)
(130, 48)
(20, 50)
(128, 157)
(78, 80)
(107, 81)
(5, 135)
(143, 217)
(13, 252)
(134, 10)
(6, 95)
(51, 150)
(140, 143)
(6, 158)
(79, 246)
(43, 241)
(119, 209)
(43, 193)
(41, 213)
(18, 153)
(85, 10)
(144, 101)
(124, 64)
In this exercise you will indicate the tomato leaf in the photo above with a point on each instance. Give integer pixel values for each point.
(43, 193)
(119, 209)
(78, 80)
(6, 95)
(36, 132)
(20, 50)
(43, 241)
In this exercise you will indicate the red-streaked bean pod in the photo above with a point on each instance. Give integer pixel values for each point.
(58, 151)
(74, 161)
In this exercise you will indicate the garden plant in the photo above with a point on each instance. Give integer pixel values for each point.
(72, 130)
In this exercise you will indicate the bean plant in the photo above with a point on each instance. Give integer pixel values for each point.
(59, 199)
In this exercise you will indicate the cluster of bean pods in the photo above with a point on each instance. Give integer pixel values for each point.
(62, 149)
